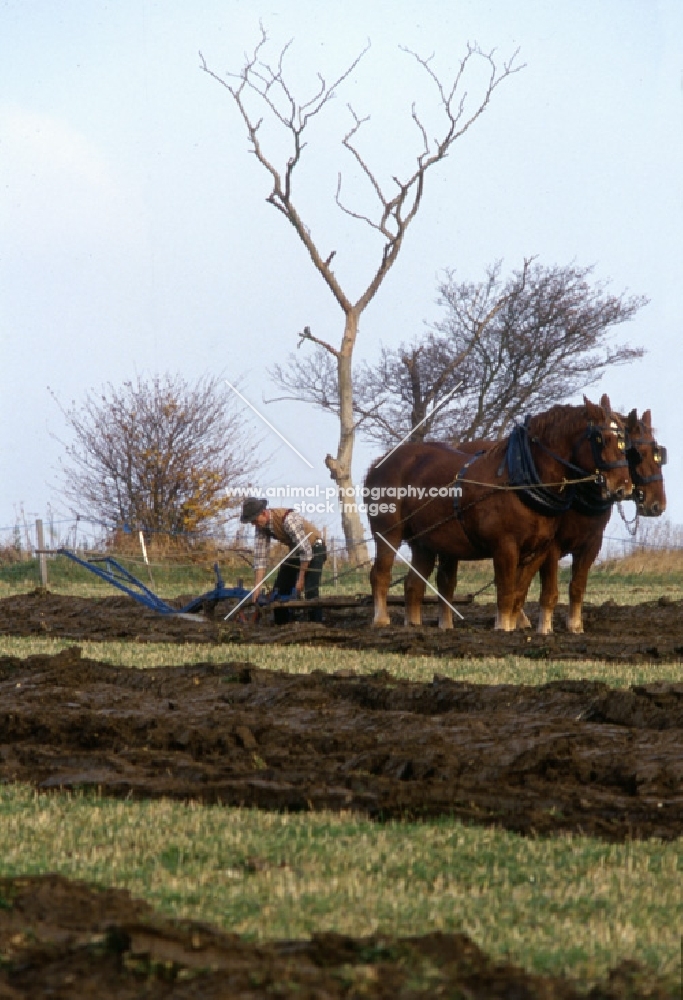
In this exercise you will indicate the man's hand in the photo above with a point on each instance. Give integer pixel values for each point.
(301, 579)
(259, 574)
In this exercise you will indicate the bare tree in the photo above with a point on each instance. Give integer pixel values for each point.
(260, 86)
(548, 342)
(545, 339)
(417, 379)
(157, 455)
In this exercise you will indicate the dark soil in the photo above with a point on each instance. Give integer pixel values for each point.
(72, 941)
(575, 756)
(570, 755)
(628, 633)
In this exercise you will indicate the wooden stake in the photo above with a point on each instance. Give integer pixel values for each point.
(42, 558)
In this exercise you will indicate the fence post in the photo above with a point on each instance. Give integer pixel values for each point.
(333, 546)
(42, 557)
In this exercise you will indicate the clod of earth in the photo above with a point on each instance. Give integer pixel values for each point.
(67, 939)
(568, 755)
(629, 634)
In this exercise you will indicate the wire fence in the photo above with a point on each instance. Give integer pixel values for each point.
(32, 533)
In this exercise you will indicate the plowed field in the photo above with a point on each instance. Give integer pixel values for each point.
(570, 755)
(629, 633)
(565, 756)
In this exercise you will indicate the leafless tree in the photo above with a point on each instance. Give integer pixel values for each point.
(549, 341)
(157, 454)
(260, 87)
(503, 349)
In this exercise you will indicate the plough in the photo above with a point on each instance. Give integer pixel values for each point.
(112, 572)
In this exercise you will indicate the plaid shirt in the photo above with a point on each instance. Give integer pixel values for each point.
(295, 530)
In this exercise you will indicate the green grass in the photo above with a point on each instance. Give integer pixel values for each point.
(303, 659)
(560, 905)
(169, 580)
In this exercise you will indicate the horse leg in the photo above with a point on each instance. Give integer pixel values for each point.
(549, 591)
(446, 579)
(422, 562)
(505, 566)
(582, 560)
(524, 578)
(380, 577)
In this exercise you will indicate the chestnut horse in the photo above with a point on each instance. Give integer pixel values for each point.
(496, 516)
(581, 529)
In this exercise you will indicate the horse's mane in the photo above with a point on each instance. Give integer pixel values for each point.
(553, 425)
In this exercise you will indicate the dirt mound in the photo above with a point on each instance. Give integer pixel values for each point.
(563, 756)
(644, 632)
(68, 939)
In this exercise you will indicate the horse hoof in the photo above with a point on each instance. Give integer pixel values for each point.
(381, 622)
(505, 622)
(504, 628)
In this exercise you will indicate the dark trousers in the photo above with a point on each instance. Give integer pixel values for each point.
(285, 583)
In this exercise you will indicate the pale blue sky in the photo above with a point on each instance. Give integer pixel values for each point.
(135, 236)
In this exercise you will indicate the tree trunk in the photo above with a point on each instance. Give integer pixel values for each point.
(419, 410)
(340, 467)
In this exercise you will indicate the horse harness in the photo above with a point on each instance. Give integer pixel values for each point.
(458, 510)
(525, 481)
(659, 456)
(523, 474)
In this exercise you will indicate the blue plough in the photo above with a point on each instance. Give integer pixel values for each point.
(112, 572)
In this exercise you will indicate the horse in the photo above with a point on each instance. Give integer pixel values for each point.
(581, 529)
(498, 516)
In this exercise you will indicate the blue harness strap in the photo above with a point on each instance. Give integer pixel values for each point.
(523, 473)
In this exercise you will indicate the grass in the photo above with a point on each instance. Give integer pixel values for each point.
(561, 905)
(643, 576)
(302, 659)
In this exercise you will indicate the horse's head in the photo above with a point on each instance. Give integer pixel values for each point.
(605, 436)
(645, 459)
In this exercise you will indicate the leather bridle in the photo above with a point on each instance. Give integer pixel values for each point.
(659, 456)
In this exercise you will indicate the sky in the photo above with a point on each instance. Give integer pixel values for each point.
(135, 236)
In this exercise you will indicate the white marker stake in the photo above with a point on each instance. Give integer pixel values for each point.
(237, 606)
(251, 407)
(144, 556)
(403, 559)
(144, 549)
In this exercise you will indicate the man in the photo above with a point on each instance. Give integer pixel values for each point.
(302, 570)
